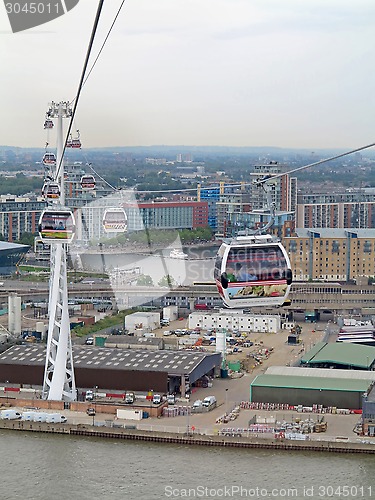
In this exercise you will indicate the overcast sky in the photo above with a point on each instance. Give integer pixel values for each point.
(290, 73)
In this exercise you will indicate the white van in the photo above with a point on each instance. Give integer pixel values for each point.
(40, 417)
(89, 396)
(156, 399)
(10, 414)
(209, 402)
(28, 416)
(56, 418)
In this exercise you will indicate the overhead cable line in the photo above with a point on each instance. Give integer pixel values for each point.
(93, 32)
(268, 177)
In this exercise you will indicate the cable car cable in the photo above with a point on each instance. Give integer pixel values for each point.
(102, 47)
(262, 181)
(91, 43)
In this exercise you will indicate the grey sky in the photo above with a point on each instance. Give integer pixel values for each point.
(291, 73)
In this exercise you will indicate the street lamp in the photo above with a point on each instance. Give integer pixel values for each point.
(226, 401)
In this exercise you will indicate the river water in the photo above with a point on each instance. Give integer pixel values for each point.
(45, 467)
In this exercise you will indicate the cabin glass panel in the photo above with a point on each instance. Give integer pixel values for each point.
(256, 272)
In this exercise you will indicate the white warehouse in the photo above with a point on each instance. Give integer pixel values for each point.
(145, 321)
(235, 320)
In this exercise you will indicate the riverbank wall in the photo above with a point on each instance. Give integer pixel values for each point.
(135, 434)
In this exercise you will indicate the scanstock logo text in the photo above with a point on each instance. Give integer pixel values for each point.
(23, 14)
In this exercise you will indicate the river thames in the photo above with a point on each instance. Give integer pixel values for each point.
(43, 467)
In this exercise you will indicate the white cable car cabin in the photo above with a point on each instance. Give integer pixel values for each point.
(56, 225)
(51, 190)
(49, 159)
(115, 220)
(48, 123)
(88, 182)
(73, 143)
(252, 271)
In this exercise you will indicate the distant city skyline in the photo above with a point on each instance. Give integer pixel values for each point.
(234, 73)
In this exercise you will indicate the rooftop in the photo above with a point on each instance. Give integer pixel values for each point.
(351, 355)
(329, 232)
(317, 383)
(172, 362)
(303, 371)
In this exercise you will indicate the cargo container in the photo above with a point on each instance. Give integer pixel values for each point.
(128, 414)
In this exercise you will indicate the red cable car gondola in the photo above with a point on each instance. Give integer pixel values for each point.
(88, 182)
(115, 220)
(49, 159)
(48, 124)
(51, 190)
(74, 142)
(253, 271)
(56, 225)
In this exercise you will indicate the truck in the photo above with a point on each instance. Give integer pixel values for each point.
(56, 418)
(10, 414)
(203, 307)
(209, 402)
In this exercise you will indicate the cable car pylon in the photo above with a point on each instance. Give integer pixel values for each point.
(59, 380)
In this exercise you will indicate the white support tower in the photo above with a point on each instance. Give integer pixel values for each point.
(59, 381)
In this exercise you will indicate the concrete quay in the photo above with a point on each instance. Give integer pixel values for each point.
(86, 430)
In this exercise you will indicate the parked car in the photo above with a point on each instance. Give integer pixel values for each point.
(91, 412)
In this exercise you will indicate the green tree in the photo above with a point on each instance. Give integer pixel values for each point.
(145, 280)
(167, 281)
(27, 239)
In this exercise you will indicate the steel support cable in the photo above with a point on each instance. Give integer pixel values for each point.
(91, 43)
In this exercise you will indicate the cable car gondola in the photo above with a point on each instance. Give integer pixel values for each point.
(252, 271)
(51, 190)
(49, 159)
(48, 124)
(74, 142)
(88, 182)
(56, 225)
(115, 220)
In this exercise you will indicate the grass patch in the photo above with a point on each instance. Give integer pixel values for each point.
(102, 324)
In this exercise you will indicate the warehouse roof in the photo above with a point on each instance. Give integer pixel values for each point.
(351, 355)
(172, 362)
(312, 352)
(317, 383)
(321, 372)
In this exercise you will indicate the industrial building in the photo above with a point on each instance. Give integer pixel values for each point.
(309, 386)
(235, 320)
(334, 355)
(368, 412)
(142, 322)
(129, 342)
(11, 255)
(114, 369)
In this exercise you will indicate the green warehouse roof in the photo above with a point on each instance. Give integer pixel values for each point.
(317, 383)
(353, 355)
